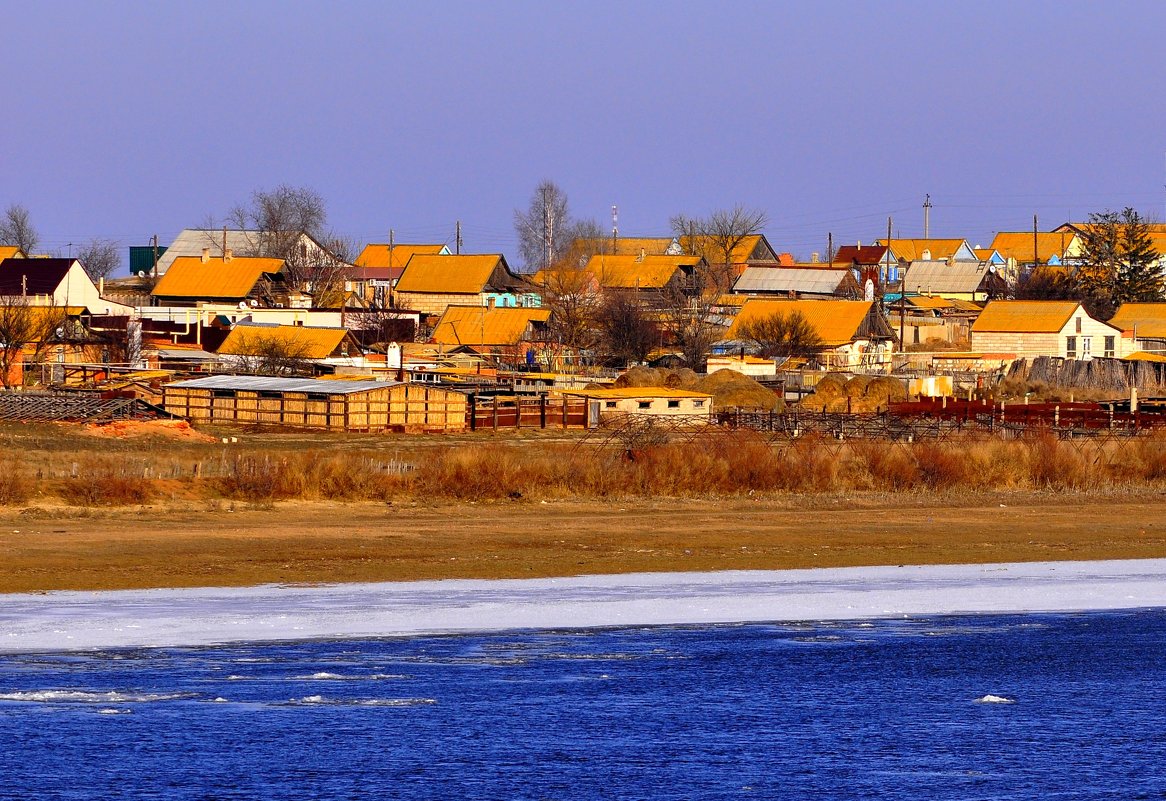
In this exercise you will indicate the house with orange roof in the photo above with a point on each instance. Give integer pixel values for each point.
(430, 283)
(1029, 328)
(747, 250)
(648, 275)
(1143, 325)
(1024, 249)
(251, 280)
(379, 266)
(505, 333)
(949, 250)
(851, 332)
(11, 252)
(286, 349)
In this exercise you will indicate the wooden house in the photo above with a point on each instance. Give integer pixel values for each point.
(649, 276)
(1143, 326)
(249, 280)
(374, 274)
(644, 401)
(332, 405)
(62, 283)
(801, 281)
(430, 283)
(851, 332)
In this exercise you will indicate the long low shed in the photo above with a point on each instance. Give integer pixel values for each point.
(317, 403)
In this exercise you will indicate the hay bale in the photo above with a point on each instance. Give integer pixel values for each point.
(731, 389)
(641, 377)
(884, 389)
(831, 385)
(856, 387)
(688, 378)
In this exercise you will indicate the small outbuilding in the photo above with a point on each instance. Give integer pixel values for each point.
(654, 401)
(330, 405)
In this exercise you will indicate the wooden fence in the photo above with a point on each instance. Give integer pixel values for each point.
(516, 411)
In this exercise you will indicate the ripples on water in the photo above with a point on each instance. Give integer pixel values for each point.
(1013, 707)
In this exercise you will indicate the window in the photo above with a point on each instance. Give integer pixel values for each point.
(1086, 347)
(1078, 325)
(696, 404)
(609, 405)
(1071, 347)
(1109, 341)
(645, 404)
(673, 404)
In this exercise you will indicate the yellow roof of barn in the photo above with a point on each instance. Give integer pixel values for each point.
(377, 255)
(634, 272)
(1025, 316)
(298, 341)
(191, 277)
(836, 321)
(457, 275)
(482, 325)
(1148, 318)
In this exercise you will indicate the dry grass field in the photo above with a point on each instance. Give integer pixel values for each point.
(84, 511)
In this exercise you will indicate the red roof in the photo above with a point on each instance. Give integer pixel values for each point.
(853, 254)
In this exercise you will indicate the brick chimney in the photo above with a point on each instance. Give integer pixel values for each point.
(206, 255)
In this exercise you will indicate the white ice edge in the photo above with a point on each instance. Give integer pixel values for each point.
(204, 616)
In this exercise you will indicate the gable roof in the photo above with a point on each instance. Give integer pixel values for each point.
(754, 246)
(10, 252)
(300, 341)
(627, 245)
(377, 256)
(255, 383)
(633, 272)
(191, 241)
(1025, 316)
(962, 277)
(32, 276)
(820, 281)
(1018, 245)
(939, 249)
(1148, 318)
(456, 275)
(482, 325)
(191, 277)
(860, 254)
(838, 322)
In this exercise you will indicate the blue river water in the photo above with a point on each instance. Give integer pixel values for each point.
(981, 707)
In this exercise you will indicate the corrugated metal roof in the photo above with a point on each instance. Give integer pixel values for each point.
(299, 341)
(1025, 316)
(191, 241)
(823, 281)
(744, 250)
(913, 249)
(937, 277)
(457, 275)
(1019, 245)
(190, 277)
(255, 383)
(1148, 318)
(481, 325)
(634, 272)
(377, 255)
(837, 321)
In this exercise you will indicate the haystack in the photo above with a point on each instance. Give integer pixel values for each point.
(731, 389)
(642, 377)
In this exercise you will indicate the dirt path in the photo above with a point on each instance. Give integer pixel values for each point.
(153, 547)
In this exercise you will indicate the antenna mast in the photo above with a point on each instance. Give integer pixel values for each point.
(614, 228)
(927, 217)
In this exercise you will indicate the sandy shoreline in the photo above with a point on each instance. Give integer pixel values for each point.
(204, 616)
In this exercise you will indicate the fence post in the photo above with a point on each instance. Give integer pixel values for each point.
(473, 411)
(495, 400)
(542, 410)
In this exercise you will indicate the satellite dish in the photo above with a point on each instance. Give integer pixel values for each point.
(61, 331)
(868, 293)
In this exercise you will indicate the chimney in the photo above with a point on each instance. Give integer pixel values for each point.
(206, 255)
(860, 244)
(643, 254)
(101, 285)
(925, 255)
(814, 257)
(490, 302)
(227, 255)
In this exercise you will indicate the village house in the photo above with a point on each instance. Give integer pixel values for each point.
(604, 404)
(931, 317)
(851, 333)
(11, 252)
(962, 280)
(252, 281)
(651, 277)
(1027, 328)
(289, 349)
(220, 242)
(1022, 250)
(430, 283)
(506, 334)
(55, 282)
(377, 269)
(747, 250)
(1143, 325)
(909, 251)
(799, 281)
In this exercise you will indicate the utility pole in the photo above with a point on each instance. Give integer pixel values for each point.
(614, 229)
(829, 247)
(927, 217)
(1035, 251)
(547, 235)
(457, 240)
(154, 272)
(392, 283)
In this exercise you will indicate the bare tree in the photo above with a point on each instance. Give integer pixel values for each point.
(281, 216)
(99, 258)
(781, 334)
(690, 309)
(16, 229)
(25, 329)
(627, 332)
(546, 229)
(574, 298)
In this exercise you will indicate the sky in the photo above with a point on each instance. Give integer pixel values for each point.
(129, 119)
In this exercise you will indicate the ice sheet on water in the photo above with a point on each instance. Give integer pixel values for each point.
(994, 699)
(91, 697)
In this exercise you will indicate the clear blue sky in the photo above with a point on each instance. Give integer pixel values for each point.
(123, 119)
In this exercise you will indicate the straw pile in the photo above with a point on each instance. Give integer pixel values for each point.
(729, 388)
(834, 393)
